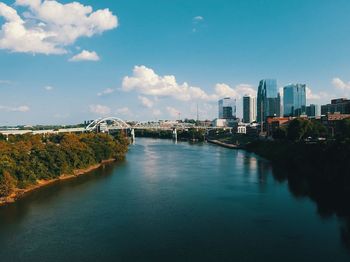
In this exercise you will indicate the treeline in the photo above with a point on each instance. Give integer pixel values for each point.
(300, 129)
(191, 134)
(299, 148)
(28, 158)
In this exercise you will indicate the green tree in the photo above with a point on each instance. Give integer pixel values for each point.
(299, 129)
(280, 133)
(7, 184)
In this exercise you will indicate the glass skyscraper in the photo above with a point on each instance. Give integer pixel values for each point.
(268, 100)
(294, 99)
(227, 108)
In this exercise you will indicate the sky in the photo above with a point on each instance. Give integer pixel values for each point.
(63, 62)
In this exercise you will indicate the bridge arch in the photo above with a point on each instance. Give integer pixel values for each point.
(110, 122)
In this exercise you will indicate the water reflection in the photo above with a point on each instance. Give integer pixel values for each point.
(14, 213)
(330, 200)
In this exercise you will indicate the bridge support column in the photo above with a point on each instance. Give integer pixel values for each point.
(175, 134)
(133, 135)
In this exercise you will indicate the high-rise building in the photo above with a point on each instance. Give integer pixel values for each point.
(294, 99)
(268, 100)
(249, 109)
(227, 108)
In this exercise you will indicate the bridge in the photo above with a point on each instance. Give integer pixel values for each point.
(109, 124)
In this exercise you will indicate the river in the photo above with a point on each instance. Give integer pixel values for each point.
(174, 202)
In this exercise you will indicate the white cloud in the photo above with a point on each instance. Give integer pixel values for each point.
(85, 56)
(145, 81)
(224, 90)
(100, 110)
(146, 102)
(107, 91)
(48, 88)
(22, 109)
(316, 96)
(173, 112)
(340, 84)
(197, 19)
(48, 27)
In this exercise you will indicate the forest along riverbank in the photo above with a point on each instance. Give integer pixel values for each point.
(32, 161)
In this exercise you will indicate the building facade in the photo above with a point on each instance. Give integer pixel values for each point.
(227, 108)
(268, 100)
(249, 109)
(312, 111)
(340, 105)
(294, 100)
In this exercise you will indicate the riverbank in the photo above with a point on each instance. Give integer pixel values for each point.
(223, 144)
(20, 193)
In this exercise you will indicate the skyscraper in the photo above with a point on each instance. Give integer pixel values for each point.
(249, 109)
(294, 99)
(227, 108)
(269, 100)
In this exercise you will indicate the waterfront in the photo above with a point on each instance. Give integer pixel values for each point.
(173, 202)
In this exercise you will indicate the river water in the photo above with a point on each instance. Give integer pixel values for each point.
(174, 202)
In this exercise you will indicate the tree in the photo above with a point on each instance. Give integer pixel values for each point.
(7, 184)
(344, 129)
(299, 129)
(280, 133)
(318, 129)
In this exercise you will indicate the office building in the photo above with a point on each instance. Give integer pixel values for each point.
(340, 105)
(294, 100)
(249, 109)
(227, 108)
(312, 111)
(268, 100)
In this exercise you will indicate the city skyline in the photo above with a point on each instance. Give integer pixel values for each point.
(142, 63)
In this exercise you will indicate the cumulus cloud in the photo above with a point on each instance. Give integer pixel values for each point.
(145, 81)
(48, 88)
(224, 90)
(21, 109)
(100, 110)
(49, 27)
(316, 96)
(340, 84)
(146, 102)
(85, 56)
(107, 91)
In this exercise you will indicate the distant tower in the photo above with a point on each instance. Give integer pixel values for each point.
(227, 108)
(268, 100)
(249, 109)
(294, 100)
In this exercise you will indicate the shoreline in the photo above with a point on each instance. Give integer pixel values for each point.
(223, 144)
(20, 193)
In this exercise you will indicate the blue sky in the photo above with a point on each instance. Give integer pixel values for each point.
(156, 59)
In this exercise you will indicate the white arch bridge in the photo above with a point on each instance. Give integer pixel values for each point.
(108, 124)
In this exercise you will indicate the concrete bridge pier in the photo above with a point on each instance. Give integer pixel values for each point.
(133, 135)
(175, 134)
